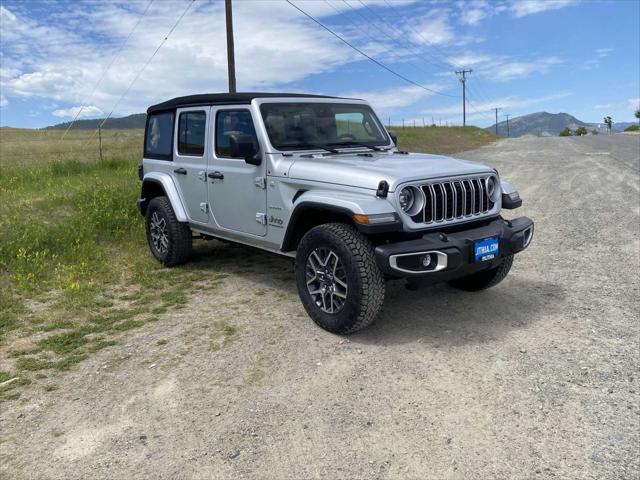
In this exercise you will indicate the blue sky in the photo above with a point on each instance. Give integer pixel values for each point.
(575, 56)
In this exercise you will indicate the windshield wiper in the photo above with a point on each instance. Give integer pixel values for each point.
(312, 146)
(356, 144)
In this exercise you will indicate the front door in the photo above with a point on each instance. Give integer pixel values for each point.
(190, 161)
(237, 190)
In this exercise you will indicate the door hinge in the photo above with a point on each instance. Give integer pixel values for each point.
(261, 182)
(204, 207)
(261, 218)
(202, 175)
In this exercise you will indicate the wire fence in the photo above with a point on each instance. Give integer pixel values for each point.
(422, 122)
(22, 146)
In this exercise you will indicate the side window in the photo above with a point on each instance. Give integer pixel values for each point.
(233, 122)
(191, 130)
(158, 140)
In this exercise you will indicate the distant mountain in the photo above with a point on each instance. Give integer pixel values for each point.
(620, 126)
(137, 120)
(539, 124)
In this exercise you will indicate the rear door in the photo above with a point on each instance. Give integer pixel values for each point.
(190, 161)
(237, 190)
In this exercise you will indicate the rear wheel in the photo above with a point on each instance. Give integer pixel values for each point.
(339, 282)
(169, 240)
(483, 280)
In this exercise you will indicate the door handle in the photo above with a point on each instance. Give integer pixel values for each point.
(216, 174)
(180, 171)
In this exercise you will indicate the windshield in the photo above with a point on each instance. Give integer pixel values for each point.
(309, 126)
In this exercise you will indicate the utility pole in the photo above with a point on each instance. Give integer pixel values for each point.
(462, 74)
(231, 59)
(507, 124)
(496, 109)
(100, 141)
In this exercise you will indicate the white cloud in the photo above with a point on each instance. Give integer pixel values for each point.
(603, 52)
(395, 97)
(472, 16)
(511, 101)
(620, 105)
(86, 111)
(61, 60)
(469, 60)
(434, 30)
(522, 8)
(506, 71)
(3, 101)
(501, 69)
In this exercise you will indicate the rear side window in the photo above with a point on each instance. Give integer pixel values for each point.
(230, 122)
(158, 140)
(191, 130)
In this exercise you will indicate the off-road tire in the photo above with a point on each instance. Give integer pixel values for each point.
(483, 280)
(366, 287)
(179, 246)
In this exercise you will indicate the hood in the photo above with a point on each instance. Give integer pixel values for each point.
(367, 171)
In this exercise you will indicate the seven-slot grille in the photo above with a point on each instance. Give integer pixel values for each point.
(448, 200)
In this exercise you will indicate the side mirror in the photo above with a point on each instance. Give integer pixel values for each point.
(242, 146)
(394, 137)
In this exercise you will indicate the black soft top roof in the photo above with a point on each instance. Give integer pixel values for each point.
(223, 99)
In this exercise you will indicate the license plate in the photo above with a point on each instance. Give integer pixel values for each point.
(486, 249)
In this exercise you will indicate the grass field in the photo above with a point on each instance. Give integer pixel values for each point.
(75, 271)
(443, 140)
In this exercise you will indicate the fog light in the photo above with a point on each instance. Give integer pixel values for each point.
(426, 260)
(528, 236)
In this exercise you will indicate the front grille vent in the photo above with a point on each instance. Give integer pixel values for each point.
(454, 199)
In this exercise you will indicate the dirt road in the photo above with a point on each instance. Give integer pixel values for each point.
(536, 378)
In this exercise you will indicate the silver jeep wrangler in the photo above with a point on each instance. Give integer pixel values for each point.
(320, 179)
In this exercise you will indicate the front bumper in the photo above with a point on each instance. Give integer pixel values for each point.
(452, 255)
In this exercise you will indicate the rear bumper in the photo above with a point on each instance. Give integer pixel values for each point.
(452, 255)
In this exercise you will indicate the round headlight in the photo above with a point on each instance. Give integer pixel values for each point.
(491, 186)
(406, 199)
(411, 200)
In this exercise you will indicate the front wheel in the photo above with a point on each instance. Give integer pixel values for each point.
(338, 280)
(169, 240)
(483, 280)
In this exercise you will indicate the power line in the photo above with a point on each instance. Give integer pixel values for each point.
(366, 22)
(496, 109)
(106, 70)
(433, 45)
(474, 92)
(380, 64)
(416, 50)
(367, 25)
(479, 112)
(191, 2)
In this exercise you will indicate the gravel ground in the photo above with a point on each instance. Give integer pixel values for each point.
(536, 378)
